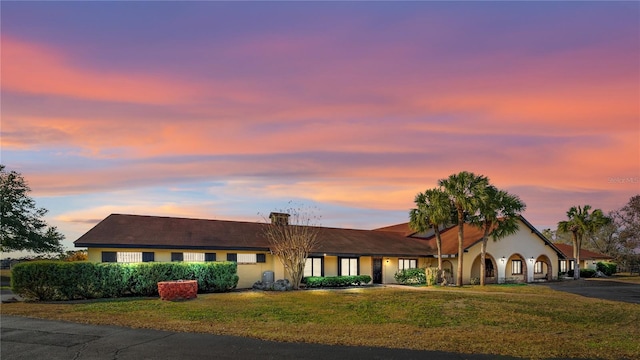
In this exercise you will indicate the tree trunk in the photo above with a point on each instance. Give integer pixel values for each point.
(483, 251)
(576, 257)
(436, 229)
(460, 248)
(483, 256)
(576, 271)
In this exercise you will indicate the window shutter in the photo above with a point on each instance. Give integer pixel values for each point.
(109, 256)
(261, 258)
(232, 257)
(148, 256)
(210, 257)
(175, 256)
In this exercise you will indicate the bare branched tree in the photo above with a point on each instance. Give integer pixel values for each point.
(292, 235)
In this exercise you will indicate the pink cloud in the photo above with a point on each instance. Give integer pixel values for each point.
(38, 69)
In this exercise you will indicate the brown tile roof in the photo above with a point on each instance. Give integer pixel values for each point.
(135, 231)
(567, 250)
(403, 229)
(449, 236)
(472, 235)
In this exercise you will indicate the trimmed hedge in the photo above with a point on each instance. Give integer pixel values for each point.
(58, 280)
(587, 273)
(336, 281)
(607, 268)
(413, 276)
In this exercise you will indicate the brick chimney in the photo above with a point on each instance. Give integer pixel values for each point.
(279, 218)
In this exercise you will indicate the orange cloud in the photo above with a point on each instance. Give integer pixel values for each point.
(38, 69)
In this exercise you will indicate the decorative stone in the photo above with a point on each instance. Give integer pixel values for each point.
(278, 285)
(178, 290)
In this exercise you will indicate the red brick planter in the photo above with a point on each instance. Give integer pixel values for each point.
(178, 290)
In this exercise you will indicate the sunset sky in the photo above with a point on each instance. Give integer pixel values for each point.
(224, 110)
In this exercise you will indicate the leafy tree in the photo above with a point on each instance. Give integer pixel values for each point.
(605, 240)
(627, 221)
(548, 233)
(497, 216)
(620, 238)
(433, 210)
(74, 255)
(21, 223)
(557, 237)
(292, 235)
(580, 223)
(465, 190)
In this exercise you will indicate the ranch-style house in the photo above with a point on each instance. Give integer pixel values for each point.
(525, 256)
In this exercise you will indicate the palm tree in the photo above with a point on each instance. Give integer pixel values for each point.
(433, 210)
(581, 222)
(464, 190)
(497, 216)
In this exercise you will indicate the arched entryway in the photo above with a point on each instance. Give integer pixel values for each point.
(490, 270)
(542, 269)
(516, 269)
(447, 268)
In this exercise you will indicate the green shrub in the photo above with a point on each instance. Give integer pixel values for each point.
(587, 273)
(57, 280)
(607, 268)
(411, 276)
(431, 276)
(35, 280)
(336, 281)
(114, 280)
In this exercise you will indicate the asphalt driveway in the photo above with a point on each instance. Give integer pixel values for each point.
(28, 339)
(599, 288)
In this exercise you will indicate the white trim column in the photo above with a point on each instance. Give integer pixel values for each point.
(531, 261)
(502, 269)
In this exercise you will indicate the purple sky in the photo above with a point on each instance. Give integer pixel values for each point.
(224, 110)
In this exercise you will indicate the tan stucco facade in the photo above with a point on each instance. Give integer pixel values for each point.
(248, 273)
(525, 248)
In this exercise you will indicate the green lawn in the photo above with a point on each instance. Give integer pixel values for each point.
(528, 321)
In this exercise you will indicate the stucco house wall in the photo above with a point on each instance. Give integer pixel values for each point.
(525, 245)
(248, 273)
(163, 236)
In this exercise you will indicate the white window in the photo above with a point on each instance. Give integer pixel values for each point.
(194, 257)
(563, 266)
(404, 264)
(348, 266)
(313, 267)
(516, 267)
(247, 259)
(129, 257)
(537, 268)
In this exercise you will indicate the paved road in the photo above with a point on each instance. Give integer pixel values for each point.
(598, 288)
(28, 339)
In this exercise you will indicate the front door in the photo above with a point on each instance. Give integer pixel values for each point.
(377, 270)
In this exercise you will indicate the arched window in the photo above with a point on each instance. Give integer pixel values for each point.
(489, 271)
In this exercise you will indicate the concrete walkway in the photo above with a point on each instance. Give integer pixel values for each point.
(7, 295)
(25, 338)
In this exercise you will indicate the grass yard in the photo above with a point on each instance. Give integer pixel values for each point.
(526, 321)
